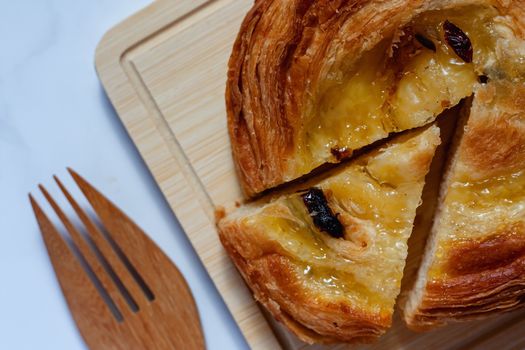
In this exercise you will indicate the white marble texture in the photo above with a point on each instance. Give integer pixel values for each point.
(53, 114)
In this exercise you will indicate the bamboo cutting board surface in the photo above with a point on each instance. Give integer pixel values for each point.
(164, 70)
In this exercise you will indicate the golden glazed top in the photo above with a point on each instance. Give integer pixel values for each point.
(375, 199)
(310, 82)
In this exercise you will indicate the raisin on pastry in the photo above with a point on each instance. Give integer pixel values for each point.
(327, 260)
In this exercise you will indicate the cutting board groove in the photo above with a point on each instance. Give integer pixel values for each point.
(169, 138)
(164, 70)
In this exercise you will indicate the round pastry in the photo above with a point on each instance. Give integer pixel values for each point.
(312, 82)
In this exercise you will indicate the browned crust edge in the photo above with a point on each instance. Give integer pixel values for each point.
(272, 280)
(478, 284)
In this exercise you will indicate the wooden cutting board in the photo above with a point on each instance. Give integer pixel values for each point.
(164, 70)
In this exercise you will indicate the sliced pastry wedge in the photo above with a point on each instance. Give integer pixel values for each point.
(474, 263)
(326, 259)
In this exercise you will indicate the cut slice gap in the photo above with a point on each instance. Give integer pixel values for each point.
(449, 122)
(414, 290)
(326, 170)
(474, 260)
(322, 171)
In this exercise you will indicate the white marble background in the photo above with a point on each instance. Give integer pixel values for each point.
(53, 114)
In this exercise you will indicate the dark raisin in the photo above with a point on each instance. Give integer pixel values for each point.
(483, 79)
(426, 42)
(458, 41)
(341, 153)
(322, 215)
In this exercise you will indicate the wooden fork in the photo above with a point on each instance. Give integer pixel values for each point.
(123, 291)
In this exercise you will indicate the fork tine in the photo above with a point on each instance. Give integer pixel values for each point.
(173, 303)
(106, 249)
(139, 249)
(89, 255)
(82, 297)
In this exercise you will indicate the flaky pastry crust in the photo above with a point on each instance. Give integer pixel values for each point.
(285, 58)
(291, 57)
(475, 265)
(327, 289)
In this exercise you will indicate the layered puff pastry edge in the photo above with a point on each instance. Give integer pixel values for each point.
(474, 264)
(328, 288)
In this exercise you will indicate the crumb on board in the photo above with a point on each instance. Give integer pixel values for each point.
(220, 213)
